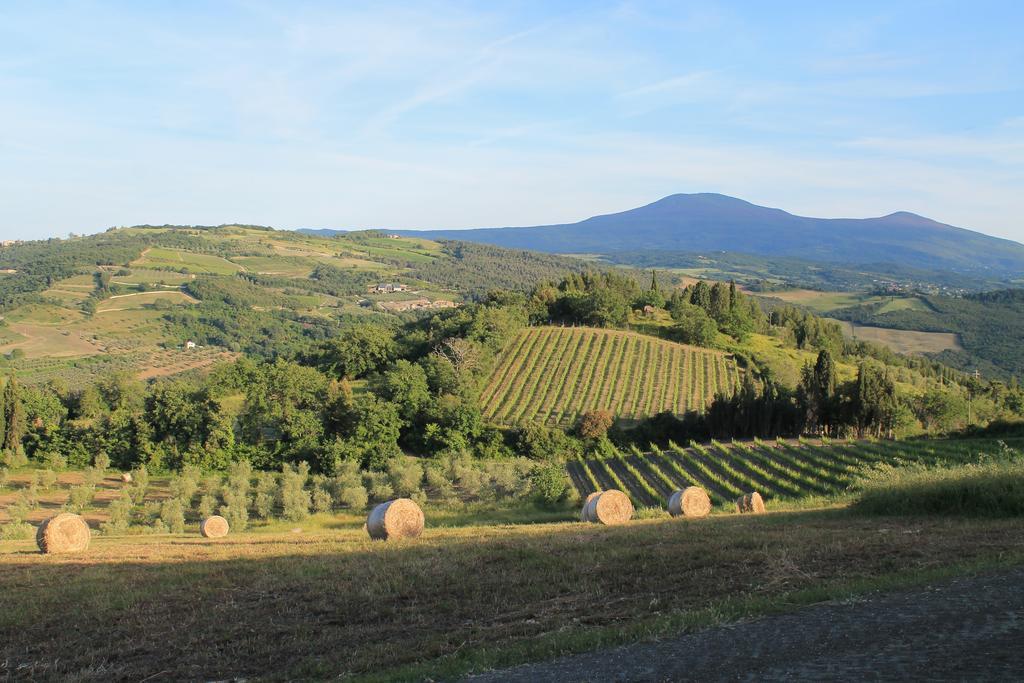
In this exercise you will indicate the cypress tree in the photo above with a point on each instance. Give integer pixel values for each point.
(3, 414)
(14, 414)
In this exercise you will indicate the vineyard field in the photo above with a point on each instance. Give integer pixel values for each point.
(783, 469)
(555, 374)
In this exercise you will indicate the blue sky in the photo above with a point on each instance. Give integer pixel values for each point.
(481, 114)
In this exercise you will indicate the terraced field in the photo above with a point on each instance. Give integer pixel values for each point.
(554, 374)
(777, 469)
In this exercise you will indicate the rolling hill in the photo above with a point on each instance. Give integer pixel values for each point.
(554, 374)
(713, 222)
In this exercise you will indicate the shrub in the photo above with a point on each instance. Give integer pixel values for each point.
(17, 531)
(984, 489)
(120, 511)
(4, 476)
(159, 527)
(322, 500)
(354, 497)
(19, 509)
(172, 514)
(379, 487)
(266, 490)
(552, 486)
(101, 461)
(471, 479)
(236, 513)
(185, 485)
(54, 461)
(207, 505)
(47, 479)
(406, 476)
(93, 476)
(295, 499)
(140, 482)
(438, 481)
(80, 498)
(32, 490)
(14, 458)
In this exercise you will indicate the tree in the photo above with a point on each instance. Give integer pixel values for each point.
(817, 393)
(14, 416)
(405, 385)
(941, 409)
(358, 351)
(594, 424)
(693, 325)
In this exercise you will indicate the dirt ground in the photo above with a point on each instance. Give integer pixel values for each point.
(966, 629)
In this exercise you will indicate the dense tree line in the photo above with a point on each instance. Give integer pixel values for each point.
(475, 269)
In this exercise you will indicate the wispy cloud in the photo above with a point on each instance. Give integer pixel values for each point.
(685, 84)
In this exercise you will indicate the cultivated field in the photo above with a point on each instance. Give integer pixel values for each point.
(328, 603)
(554, 374)
(903, 341)
(783, 469)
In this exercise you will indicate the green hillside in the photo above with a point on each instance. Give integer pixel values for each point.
(554, 374)
(130, 298)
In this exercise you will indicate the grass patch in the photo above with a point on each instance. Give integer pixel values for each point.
(993, 488)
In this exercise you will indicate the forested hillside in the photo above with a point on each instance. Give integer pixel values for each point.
(990, 326)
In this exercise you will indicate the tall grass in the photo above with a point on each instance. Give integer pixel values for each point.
(991, 487)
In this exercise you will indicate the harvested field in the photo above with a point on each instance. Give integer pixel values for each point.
(335, 603)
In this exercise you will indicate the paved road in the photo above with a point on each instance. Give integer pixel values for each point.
(967, 629)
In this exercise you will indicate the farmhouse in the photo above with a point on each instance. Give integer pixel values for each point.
(389, 287)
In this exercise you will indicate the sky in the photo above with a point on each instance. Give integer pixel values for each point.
(460, 114)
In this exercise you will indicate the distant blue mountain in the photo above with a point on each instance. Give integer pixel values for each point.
(715, 222)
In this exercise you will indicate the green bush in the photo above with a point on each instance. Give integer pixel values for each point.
(989, 488)
(207, 505)
(266, 495)
(19, 509)
(17, 531)
(140, 482)
(101, 461)
(406, 476)
(120, 511)
(47, 479)
(14, 458)
(552, 487)
(322, 500)
(295, 499)
(54, 461)
(172, 514)
(80, 498)
(379, 487)
(354, 497)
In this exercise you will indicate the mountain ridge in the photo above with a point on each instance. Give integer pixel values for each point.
(707, 222)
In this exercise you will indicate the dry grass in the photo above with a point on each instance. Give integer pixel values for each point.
(335, 603)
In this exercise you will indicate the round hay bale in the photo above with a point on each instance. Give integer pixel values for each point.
(126, 477)
(214, 527)
(750, 503)
(693, 501)
(398, 518)
(609, 507)
(583, 511)
(63, 533)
